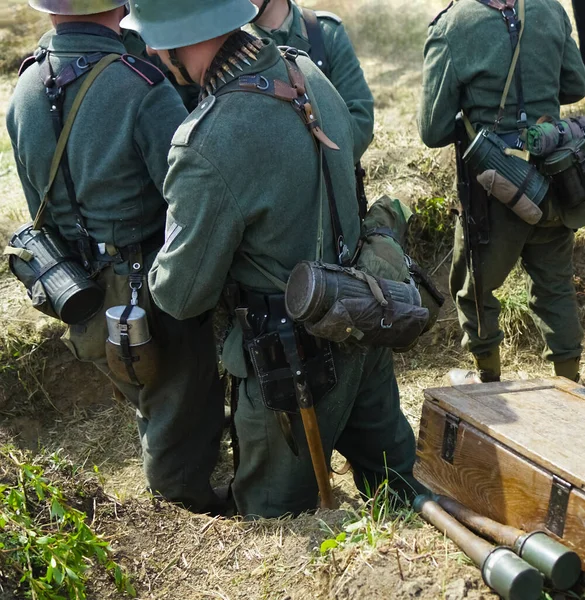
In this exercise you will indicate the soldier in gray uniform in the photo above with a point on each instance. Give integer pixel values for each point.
(244, 192)
(107, 204)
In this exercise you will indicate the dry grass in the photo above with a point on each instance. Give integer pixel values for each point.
(173, 554)
(20, 29)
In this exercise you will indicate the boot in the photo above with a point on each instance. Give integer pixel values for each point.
(488, 370)
(568, 368)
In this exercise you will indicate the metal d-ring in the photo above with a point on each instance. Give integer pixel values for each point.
(82, 62)
(383, 324)
(264, 84)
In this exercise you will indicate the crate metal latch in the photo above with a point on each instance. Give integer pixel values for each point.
(450, 437)
(558, 506)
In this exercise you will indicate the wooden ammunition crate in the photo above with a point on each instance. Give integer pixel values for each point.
(512, 451)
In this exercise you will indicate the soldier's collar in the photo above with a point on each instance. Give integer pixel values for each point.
(84, 28)
(298, 36)
(286, 26)
(84, 42)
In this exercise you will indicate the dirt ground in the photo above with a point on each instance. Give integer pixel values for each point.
(48, 401)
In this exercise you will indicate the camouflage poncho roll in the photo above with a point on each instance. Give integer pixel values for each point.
(545, 138)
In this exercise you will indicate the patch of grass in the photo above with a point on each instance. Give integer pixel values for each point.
(431, 231)
(515, 317)
(48, 548)
(382, 27)
(374, 524)
(24, 350)
(20, 30)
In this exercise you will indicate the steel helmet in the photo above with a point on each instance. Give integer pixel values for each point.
(76, 7)
(179, 23)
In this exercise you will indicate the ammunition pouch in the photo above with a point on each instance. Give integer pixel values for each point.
(516, 183)
(566, 168)
(55, 281)
(261, 320)
(343, 304)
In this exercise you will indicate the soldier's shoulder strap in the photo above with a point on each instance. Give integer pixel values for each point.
(185, 132)
(324, 14)
(26, 64)
(151, 74)
(440, 15)
(318, 52)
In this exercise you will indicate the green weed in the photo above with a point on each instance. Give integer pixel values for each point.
(47, 546)
(375, 523)
(431, 230)
(516, 319)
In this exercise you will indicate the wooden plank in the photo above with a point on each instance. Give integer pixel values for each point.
(492, 479)
(488, 389)
(535, 419)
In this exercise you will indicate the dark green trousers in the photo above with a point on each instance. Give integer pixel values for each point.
(361, 418)
(546, 255)
(180, 416)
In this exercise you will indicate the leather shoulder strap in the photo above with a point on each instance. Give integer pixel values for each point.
(64, 137)
(499, 4)
(144, 69)
(318, 53)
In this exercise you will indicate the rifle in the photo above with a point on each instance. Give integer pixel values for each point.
(474, 221)
(307, 407)
(362, 198)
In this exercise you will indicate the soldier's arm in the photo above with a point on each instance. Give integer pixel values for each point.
(440, 93)
(204, 230)
(572, 84)
(348, 78)
(161, 114)
(32, 197)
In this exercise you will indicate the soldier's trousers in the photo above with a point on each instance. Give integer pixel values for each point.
(180, 417)
(360, 417)
(546, 254)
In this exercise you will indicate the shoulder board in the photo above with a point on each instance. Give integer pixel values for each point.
(28, 62)
(323, 14)
(151, 74)
(438, 17)
(183, 135)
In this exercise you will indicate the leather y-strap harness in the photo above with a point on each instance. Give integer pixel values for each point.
(55, 86)
(515, 27)
(318, 52)
(295, 93)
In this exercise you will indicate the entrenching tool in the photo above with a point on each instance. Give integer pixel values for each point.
(559, 565)
(507, 574)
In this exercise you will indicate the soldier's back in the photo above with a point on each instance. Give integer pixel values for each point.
(481, 52)
(117, 148)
